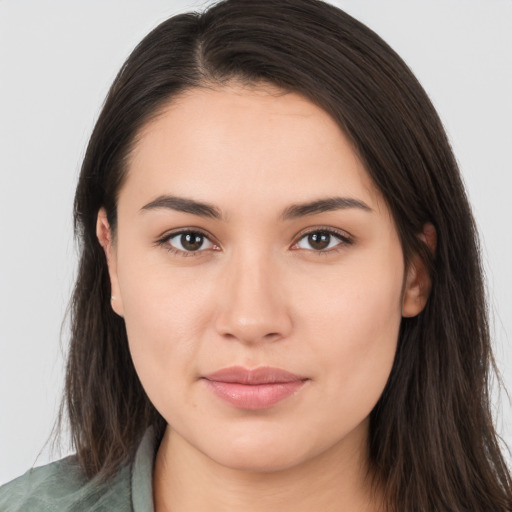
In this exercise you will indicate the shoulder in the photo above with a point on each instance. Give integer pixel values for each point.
(61, 486)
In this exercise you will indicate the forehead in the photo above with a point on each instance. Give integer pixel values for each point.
(243, 143)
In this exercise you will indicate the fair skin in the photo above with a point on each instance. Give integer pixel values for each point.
(316, 291)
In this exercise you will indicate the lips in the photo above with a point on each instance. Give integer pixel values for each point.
(253, 389)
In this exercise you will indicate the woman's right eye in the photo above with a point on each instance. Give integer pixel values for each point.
(187, 242)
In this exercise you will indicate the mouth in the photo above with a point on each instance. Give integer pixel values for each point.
(253, 389)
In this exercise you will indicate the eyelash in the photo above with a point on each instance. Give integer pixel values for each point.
(164, 242)
(344, 240)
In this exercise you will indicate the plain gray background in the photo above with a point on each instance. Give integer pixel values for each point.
(57, 59)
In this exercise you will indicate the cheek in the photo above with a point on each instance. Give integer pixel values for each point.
(165, 315)
(355, 330)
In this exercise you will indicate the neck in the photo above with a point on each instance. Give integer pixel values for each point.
(186, 480)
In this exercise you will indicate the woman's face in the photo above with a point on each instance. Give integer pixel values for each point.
(250, 237)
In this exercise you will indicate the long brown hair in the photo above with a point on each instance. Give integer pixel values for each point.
(432, 442)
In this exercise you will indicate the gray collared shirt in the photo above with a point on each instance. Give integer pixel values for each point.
(62, 487)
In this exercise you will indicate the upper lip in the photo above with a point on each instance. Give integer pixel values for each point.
(254, 376)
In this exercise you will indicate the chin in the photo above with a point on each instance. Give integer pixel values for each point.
(258, 455)
(259, 461)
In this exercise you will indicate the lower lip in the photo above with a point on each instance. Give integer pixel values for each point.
(254, 396)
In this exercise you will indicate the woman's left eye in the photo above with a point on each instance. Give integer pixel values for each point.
(321, 240)
(188, 242)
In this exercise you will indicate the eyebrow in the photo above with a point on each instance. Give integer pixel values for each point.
(182, 204)
(323, 205)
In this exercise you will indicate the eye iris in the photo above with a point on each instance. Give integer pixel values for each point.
(319, 240)
(191, 241)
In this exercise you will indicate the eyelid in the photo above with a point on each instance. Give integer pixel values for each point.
(344, 237)
(163, 241)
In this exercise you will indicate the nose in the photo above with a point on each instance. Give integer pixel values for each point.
(252, 303)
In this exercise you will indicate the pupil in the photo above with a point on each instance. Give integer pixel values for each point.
(191, 241)
(319, 240)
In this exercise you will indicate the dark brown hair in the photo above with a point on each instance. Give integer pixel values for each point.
(432, 442)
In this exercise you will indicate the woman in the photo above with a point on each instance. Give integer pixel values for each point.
(290, 314)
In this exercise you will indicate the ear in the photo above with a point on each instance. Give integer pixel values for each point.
(417, 282)
(105, 238)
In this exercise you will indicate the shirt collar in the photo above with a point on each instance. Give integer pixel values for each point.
(142, 473)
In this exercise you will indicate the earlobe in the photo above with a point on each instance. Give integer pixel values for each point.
(417, 289)
(105, 238)
(418, 282)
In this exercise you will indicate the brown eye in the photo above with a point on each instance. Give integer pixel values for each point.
(321, 240)
(189, 241)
